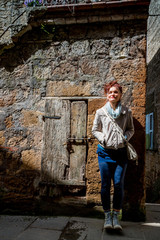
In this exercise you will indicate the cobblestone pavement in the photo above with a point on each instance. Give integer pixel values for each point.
(77, 228)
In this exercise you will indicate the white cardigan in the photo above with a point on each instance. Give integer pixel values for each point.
(107, 134)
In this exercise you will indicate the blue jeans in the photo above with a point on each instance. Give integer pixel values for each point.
(116, 171)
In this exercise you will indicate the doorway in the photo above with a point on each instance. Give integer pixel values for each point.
(64, 154)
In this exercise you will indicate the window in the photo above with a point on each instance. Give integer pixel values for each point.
(149, 131)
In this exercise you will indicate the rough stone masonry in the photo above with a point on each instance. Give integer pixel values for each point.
(153, 101)
(70, 60)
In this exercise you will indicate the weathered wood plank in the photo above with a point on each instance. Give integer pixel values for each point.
(78, 129)
(55, 157)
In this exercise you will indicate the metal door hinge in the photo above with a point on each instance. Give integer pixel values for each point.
(51, 117)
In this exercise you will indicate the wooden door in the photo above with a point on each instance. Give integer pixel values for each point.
(64, 150)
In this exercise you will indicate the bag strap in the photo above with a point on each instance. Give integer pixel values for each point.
(118, 128)
(114, 123)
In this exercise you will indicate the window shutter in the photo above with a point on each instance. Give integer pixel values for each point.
(149, 131)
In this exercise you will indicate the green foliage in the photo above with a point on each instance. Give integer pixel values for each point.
(43, 27)
(47, 29)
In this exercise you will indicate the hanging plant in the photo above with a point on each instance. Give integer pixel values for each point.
(33, 3)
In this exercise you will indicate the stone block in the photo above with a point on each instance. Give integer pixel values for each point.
(21, 72)
(139, 116)
(92, 19)
(93, 198)
(141, 16)
(100, 46)
(6, 38)
(142, 46)
(88, 66)
(139, 91)
(128, 70)
(66, 88)
(42, 72)
(80, 48)
(63, 49)
(129, 17)
(64, 70)
(95, 104)
(102, 30)
(81, 20)
(59, 21)
(12, 142)
(40, 234)
(29, 118)
(139, 102)
(117, 17)
(89, 125)
(154, 7)
(13, 226)
(119, 48)
(8, 99)
(105, 18)
(56, 223)
(92, 173)
(2, 138)
(9, 122)
(71, 20)
(2, 121)
(37, 139)
(31, 160)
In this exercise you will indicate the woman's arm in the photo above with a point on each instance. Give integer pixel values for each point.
(97, 128)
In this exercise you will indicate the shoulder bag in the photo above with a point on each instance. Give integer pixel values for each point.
(131, 152)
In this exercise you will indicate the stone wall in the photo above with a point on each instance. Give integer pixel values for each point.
(70, 60)
(153, 100)
(14, 22)
(153, 41)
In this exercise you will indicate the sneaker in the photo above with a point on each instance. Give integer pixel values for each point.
(116, 224)
(108, 220)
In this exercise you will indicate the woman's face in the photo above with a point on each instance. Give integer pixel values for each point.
(114, 95)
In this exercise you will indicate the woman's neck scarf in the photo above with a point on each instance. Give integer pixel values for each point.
(114, 113)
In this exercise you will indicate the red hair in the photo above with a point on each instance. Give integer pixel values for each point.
(107, 86)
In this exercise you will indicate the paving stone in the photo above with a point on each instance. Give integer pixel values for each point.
(39, 234)
(75, 230)
(130, 231)
(53, 223)
(88, 220)
(152, 232)
(11, 226)
(88, 228)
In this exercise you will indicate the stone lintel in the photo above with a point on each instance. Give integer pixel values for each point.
(98, 5)
(75, 97)
(82, 13)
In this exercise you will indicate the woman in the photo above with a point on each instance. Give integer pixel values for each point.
(112, 154)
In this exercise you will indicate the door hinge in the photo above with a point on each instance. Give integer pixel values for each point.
(51, 117)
